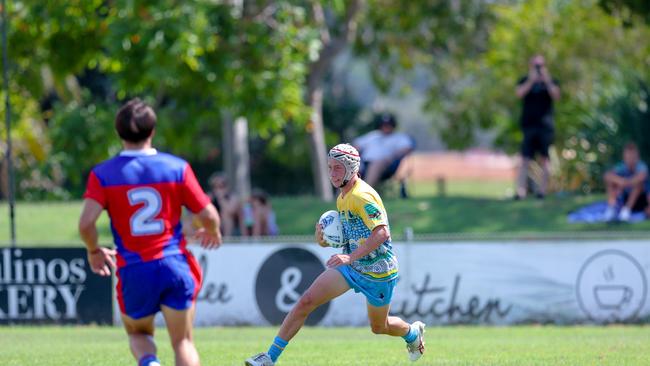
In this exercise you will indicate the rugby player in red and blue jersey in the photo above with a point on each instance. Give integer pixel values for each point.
(144, 192)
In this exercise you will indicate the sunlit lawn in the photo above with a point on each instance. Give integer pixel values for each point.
(467, 208)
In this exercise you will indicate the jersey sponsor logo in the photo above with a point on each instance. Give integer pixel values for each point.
(374, 213)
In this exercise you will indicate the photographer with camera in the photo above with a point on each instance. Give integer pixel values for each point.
(537, 90)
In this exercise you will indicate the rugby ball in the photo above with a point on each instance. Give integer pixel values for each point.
(332, 228)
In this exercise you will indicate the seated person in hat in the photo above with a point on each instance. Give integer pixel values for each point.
(382, 150)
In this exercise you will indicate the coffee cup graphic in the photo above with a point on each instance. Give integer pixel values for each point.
(612, 297)
(612, 286)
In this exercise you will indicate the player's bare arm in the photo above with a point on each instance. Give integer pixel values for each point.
(527, 85)
(209, 235)
(378, 236)
(100, 259)
(637, 178)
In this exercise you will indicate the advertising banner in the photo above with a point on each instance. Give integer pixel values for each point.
(52, 285)
(455, 283)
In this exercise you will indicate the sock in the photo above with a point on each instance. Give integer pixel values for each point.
(412, 335)
(276, 348)
(149, 360)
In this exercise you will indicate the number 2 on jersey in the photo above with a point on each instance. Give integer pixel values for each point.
(142, 222)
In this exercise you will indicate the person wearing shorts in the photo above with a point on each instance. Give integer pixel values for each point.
(367, 264)
(144, 192)
(627, 186)
(538, 91)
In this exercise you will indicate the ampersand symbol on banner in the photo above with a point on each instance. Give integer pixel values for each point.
(282, 279)
(289, 280)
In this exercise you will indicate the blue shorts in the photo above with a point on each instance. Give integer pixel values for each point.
(172, 281)
(378, 293)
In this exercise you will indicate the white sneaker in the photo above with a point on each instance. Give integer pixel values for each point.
(610, 213)
(625, 214)
(416, 348)
(260, 359)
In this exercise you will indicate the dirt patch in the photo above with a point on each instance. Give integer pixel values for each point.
(470, 165)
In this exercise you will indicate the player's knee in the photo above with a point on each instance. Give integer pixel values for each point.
(306, 302)
(181, 343)
(379, 328)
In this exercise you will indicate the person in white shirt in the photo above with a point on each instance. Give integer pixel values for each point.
(382, 150)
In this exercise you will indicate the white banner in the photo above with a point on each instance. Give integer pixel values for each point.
(464, 282)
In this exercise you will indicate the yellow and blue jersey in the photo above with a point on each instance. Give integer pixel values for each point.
(361, 211)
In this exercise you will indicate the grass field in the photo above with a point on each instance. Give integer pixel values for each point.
(56, 223)
(526, 345)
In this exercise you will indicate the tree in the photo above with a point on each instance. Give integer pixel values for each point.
(196, 62)
(335, 34)
(592, 76)
(628, 9)
(393, 35)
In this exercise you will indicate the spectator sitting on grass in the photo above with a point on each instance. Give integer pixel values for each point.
(226, 202)
(627, 183)
(264, 223)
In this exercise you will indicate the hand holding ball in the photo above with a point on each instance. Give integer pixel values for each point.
(332, 229)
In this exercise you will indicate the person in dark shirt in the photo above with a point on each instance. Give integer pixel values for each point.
(537, 90)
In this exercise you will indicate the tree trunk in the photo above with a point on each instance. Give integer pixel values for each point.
(317, 144)
(241, 158)
(314, 97)
(236, 159)
(4, 179)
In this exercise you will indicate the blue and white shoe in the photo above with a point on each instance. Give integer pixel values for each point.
(416, 348)
(260, 359)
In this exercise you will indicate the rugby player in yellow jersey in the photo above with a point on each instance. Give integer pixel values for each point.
(366, 265)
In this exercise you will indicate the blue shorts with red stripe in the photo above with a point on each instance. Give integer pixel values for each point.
(172, 281)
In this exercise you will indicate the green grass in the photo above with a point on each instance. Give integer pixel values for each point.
(462, 188)
(56, 223)
(458, 214)
(526, 345)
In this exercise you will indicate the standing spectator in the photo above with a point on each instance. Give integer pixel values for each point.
(382, 149)
(144, 192)
(264, 223)
(626, 183)
(226, 202)
(538, 90)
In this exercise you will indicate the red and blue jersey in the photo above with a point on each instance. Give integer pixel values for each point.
(144, 192)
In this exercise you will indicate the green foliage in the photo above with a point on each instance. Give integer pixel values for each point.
(281, 164)
(82, 134)
(629, 10)
(592, 75)
(36, 176)
(208, 59)
(624, 119)
(401, 34)
(199, 62)
(196, 62)
(341, 115)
